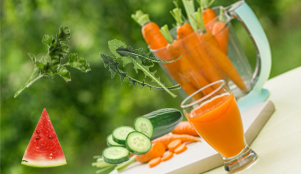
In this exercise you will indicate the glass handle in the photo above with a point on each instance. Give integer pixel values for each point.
(243, 13)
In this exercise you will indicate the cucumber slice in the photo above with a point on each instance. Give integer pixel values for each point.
(120, 133)
(144, 125)
(138, 143)
(111, 142)
(115, 155)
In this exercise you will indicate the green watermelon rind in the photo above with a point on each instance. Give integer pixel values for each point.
(47, 164)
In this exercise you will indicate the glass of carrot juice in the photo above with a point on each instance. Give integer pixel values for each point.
(213, 112)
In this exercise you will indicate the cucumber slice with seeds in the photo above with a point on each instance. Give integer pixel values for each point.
(115, 155)
(120, 133)
(145, 126)
(138, 143)
(111, 142)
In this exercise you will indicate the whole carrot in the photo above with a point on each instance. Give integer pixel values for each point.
(196, 48)
(150, 31)
(196, 51)
(221, 32)
(163, 54)
(185, 128)
(184, 31)
(225, 65)
(155, 40)
(188, 68)
(175, 50)
(166, 139)
(219, 58)
(208, 14)
(190, 77)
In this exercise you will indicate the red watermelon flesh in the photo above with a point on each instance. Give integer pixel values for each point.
(44, 149)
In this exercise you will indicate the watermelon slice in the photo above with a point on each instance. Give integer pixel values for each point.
(44, 149)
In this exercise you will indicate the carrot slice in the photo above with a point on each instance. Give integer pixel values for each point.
(167, 157)
(173, 145)
(154, 162)
(180, 149)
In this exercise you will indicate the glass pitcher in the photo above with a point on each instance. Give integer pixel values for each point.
(206, 58)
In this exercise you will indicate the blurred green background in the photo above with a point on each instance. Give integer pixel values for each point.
(85, 110)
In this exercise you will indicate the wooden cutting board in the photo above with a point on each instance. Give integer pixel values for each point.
(200, 157)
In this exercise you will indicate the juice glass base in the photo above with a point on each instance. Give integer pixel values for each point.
(243, 160)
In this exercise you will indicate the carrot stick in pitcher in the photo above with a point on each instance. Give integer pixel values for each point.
(225, 65)
(219, 57)
(208, 14)
(221, 32)
(196, 51)
(150, 31)
(155, 40)
(175, 50)
(196, 48)
(188, 64)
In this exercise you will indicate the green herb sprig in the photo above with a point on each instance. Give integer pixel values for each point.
(51, 63)
(106, 168)
(135, 56)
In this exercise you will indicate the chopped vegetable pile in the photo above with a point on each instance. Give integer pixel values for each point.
(162, 148)
(126, 141)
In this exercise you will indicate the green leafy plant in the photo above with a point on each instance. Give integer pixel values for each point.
(51, 63)
(135, 56)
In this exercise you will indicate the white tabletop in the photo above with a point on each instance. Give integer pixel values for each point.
(278, 145)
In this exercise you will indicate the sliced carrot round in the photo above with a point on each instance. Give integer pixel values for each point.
(174, 144)
(154, 162)
(180, 149)
(167, 157)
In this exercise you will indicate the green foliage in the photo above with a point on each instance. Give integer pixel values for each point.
(137, 58)
(52, 64)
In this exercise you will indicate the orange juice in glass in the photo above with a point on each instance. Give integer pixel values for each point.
(214, 114)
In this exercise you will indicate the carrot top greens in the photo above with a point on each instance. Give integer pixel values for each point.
(51, 63)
